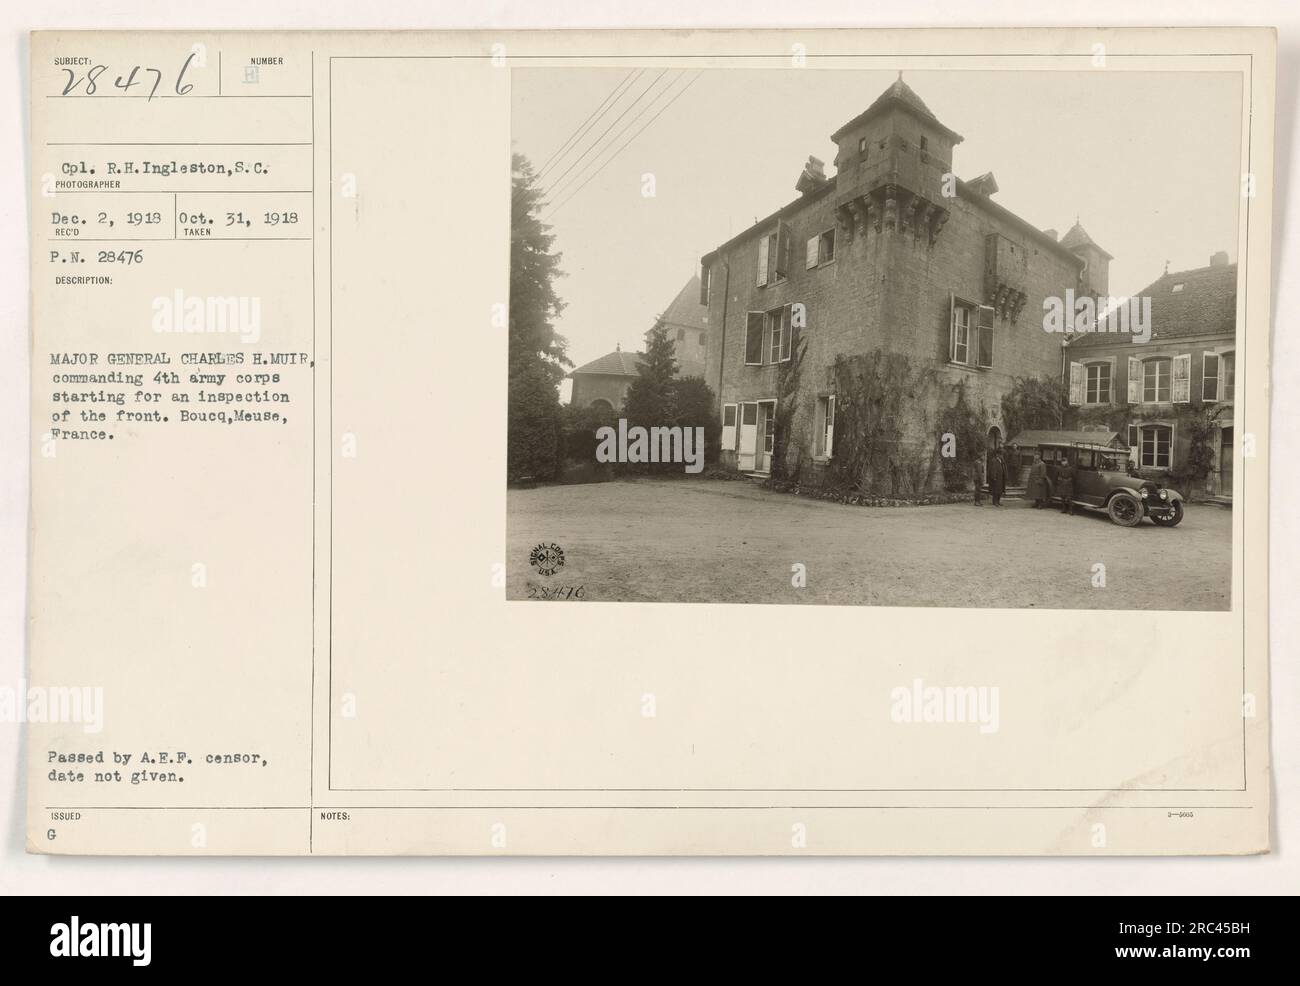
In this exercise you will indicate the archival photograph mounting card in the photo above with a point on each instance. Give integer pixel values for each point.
(765, 442)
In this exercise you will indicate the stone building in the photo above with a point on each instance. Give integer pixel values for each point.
(603, 383)
(1178, 387)
(892, 254)
(687, 322)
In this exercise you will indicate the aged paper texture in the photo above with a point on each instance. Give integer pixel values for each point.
(796, 442)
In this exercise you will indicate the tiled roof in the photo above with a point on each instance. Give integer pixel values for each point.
(617, 363)
(1206, 304)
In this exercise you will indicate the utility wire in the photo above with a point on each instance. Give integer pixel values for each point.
(561, 188)
(593, 145)
(588, 123)
(679, 94)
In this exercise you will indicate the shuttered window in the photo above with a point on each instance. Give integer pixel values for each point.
(959, 339)
(782, 251)
(769, 336)
(1157, 441)
(1210, 377)
(1097, 383)
(984, 349)
(1155, 381)
(825, 425)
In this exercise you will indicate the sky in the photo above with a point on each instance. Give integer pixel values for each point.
(1149, 162)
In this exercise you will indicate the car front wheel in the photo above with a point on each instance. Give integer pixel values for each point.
(1125, 510)
(1173, 518)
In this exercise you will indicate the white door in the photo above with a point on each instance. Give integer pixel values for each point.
(748, 437)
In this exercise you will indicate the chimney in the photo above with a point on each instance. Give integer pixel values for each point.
(1219, 259)
(1052, 233)
(985, 184)
(812, 177)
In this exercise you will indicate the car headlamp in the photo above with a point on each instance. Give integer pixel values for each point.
(1143, 493)
(1164, 494)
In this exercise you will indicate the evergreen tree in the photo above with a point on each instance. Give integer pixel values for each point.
(537, 354)
(696, 406)
(649, 400)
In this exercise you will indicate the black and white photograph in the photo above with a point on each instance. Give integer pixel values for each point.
(678, 449)
(911, 338)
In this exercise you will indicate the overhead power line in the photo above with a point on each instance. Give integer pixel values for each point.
(594, 144)
(680, 92)
(561, 188)
(582, 128)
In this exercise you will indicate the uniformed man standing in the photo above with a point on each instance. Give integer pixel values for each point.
(1065, 485)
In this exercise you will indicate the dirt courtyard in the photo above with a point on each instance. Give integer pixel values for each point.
(700, 540)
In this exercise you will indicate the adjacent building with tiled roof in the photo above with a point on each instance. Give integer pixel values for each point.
(1154, 389)
(603, 382)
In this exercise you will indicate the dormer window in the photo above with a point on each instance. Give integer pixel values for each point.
(1177, 287)
(925, 144)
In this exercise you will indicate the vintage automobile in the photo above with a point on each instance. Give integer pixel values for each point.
(1102, 480)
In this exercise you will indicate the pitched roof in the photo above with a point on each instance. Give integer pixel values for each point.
(1078, 236)
(617, 364)
(685, 310)
(898, 94)
(1205, 305)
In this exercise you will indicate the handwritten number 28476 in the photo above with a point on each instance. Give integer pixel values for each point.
(126, 82)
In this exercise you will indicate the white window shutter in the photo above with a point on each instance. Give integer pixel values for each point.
(1134, 380)
(762, 261)
(810, 256)
(1076, 383)
(1210, 364)
(1181, 389)
(830, 426)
